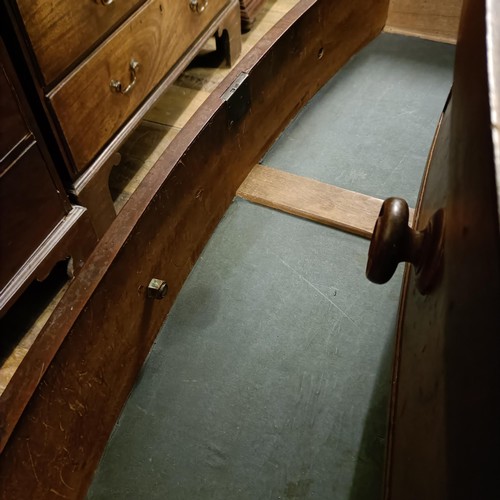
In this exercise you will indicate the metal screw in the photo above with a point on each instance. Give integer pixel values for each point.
(157, 289)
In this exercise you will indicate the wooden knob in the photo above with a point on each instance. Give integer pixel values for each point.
(393, 241)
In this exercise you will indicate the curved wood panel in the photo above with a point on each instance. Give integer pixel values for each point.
(444, 435)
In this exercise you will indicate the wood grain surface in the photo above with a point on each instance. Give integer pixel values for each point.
(87, 109)
(141, 151)
(80, 24)
(178, 104)
(445, 407)
(332, 206)
(422, 343)
(436, 20)
(73, 238)
(81, 368)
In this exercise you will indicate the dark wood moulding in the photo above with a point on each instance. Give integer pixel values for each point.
(61, 405)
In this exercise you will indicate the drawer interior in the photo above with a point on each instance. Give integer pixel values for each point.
(275, 362)
(169, 133)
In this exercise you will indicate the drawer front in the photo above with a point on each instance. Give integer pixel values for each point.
(87, 107)
(60, 31)
(30, 207)
(13, 128)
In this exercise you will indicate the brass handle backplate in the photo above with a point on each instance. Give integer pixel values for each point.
(105, 2)
(198, 6)
(393, 241)
(117, 86)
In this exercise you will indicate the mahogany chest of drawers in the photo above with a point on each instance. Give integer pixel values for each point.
(97, 66)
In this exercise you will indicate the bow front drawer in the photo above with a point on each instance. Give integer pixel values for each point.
(60, 32)
(93, 102)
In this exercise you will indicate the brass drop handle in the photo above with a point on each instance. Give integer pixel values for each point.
(198, 6)
(116, 85)
(393, 241)
(105, 2)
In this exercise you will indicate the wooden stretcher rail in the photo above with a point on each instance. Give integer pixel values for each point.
(310, 199)
(78, 374)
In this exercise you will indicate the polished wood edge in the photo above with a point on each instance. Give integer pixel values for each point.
(493, 62)
(408, 273)
(394, 383)
(55, 247)
(467, 304)
(417, 34)
(16, 152)
(195, 179)
(332, 206)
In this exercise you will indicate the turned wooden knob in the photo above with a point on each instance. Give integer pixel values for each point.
(394, 241)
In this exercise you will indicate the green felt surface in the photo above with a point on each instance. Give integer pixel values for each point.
(371, 126)
(271, 377)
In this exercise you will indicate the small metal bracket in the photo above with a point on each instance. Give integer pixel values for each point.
(157, 289)
(237, 97)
